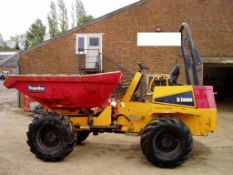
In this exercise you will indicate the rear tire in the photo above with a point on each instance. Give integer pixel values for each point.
(51, 138)
(166, 142)
(81, 136)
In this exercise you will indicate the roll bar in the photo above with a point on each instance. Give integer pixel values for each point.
(195, 61)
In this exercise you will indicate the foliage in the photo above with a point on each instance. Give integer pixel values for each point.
(3, 45)
(63, 18)
(78, 14)
(35, 34)
(85, 19)
(53, 21)
(1, 40)
(5, 48)
(80, 11)
(18, 41)
(57, 23)
(73, 18)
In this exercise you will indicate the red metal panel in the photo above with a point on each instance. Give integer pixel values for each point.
(66, 91)
(204, 96)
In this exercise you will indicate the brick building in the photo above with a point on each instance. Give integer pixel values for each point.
(113, 38)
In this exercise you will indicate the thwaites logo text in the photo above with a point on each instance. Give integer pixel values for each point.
(33, 88)
(184, 100)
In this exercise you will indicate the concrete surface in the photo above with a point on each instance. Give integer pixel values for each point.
(108, 153)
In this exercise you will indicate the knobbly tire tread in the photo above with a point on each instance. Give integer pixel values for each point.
(149, 133)
(68, 140)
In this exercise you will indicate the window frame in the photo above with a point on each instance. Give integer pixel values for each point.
(149, 78)
(89, 42)
(78, 44)
(86, 37)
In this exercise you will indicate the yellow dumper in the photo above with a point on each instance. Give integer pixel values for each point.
(165, 121)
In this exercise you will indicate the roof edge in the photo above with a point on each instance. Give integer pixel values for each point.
(108, 15)
(12, 56)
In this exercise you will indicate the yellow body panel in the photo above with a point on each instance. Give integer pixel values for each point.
(199, 121)
(162, 91)
(134, 116)
(104, 119)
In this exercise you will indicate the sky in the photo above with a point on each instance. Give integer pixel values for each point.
(16, 16)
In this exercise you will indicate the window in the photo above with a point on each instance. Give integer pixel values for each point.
(88, 41)
(93, 41)
(81, 44)
(148, 81)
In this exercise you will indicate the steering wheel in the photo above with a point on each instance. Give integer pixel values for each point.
(174, 75)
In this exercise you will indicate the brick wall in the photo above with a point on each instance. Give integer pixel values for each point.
(210, 20)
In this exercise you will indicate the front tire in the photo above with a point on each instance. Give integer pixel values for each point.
(51, 138)
(166, 142)
(82, 136)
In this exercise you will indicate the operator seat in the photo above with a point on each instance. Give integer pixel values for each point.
(174, 75)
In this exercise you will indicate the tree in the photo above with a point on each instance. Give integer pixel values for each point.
(1, 40)
(73, 19)
(80, 12)
(85, 19)
(3, 44)
(18, 41)
(63, 18)
(35, 34)
(53, 21)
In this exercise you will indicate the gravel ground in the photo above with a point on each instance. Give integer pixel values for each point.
(108, 153)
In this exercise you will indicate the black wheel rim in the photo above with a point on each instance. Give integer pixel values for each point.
(49, 137)
(166, 141)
